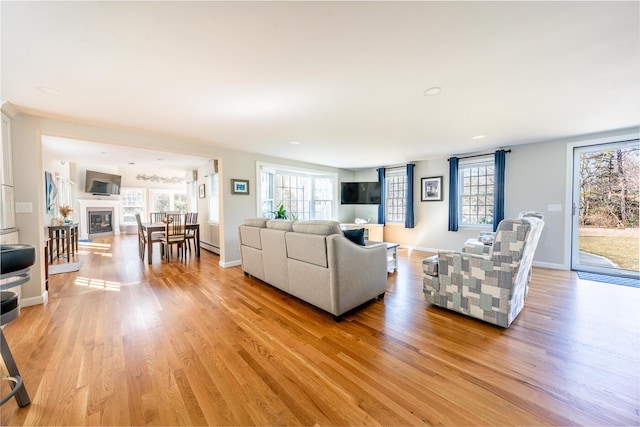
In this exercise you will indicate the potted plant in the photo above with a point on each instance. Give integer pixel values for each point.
(281, 213)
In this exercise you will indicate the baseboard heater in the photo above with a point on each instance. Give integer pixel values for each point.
(210, 247)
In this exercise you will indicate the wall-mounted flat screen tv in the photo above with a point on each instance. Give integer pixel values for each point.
(103, 184)
(360, 193)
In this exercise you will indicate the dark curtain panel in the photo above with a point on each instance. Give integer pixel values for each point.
(409, 216)
(498, 188)
(453, 194)
(383, 196)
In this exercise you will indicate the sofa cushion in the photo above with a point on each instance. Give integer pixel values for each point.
(250, 236)
(355, 235)
(321, 227)
(307, 248)
(280, 224)
(256, 222)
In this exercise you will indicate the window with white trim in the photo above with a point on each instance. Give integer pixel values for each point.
(305, 194)
(168, 201)
(395, 194)
(64, 190)
(475, 192)
(132, 200)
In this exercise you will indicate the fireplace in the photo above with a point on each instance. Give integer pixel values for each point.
(86, 205)
(99, 222)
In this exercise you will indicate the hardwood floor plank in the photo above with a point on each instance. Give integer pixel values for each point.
(186, 342)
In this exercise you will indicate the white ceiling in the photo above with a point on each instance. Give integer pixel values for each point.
(345, 79)
(100, 153)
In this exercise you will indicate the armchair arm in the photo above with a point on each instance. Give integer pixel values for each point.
(460, 268)
(454, 261)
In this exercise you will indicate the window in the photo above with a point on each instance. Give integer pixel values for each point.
(132, 204)
(305, 194)
(396, 194)
(64, 190)
(475, 192)
(168, 200)
(214, 198)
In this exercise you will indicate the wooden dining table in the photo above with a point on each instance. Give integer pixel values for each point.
(152, 227)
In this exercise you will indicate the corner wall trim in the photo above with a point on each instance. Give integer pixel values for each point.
(42, 299)
(230, 264)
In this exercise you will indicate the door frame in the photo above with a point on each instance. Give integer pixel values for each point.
(572, 200)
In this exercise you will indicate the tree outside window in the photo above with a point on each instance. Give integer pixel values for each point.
(475, 192)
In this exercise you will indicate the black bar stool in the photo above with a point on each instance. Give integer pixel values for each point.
(15, 263)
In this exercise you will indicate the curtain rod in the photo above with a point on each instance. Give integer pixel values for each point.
(478, 155)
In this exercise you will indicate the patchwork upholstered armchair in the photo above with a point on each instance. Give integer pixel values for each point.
(490, 286)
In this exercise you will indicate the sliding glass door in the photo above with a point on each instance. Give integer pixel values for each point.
(605, 209)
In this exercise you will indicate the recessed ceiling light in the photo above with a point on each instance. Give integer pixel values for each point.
(103, 153)
(160, 159)
(432, 91)
(131, 163)
(294, 142)
(478, 137)
(49, 91)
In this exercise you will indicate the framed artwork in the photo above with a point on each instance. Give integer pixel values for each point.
(239, 186)
(50, 191)
(201, 191)
(431, 189)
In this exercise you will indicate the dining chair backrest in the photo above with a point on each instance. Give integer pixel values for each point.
(175, 225)
(157, 216)
(139, 221)
(191, 217)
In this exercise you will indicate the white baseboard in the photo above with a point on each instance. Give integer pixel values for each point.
(535, 263)
(421, 249)
(210, 247)
(550, 265)
(42, 299)
(230, 264)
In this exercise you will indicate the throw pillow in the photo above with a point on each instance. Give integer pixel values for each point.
(355, 235)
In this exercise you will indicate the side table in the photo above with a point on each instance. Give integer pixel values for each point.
(392, 257)
(68, 233)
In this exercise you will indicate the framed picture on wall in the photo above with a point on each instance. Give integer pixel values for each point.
(201, 191)
(239, 186)
(431, 189)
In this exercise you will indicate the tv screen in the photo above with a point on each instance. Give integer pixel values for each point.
(101, 183)
(360, 193)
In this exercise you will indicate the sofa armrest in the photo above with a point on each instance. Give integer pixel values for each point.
(358, 273)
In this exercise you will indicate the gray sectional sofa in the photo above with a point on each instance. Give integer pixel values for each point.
(313, 261)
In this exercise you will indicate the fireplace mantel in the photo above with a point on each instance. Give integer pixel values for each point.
(96, 203)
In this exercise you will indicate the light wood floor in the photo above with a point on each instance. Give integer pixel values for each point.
(124, 343)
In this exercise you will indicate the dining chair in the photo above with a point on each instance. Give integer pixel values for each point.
(156, 237)
(174, 234)
(190, 234)
(157, 216)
